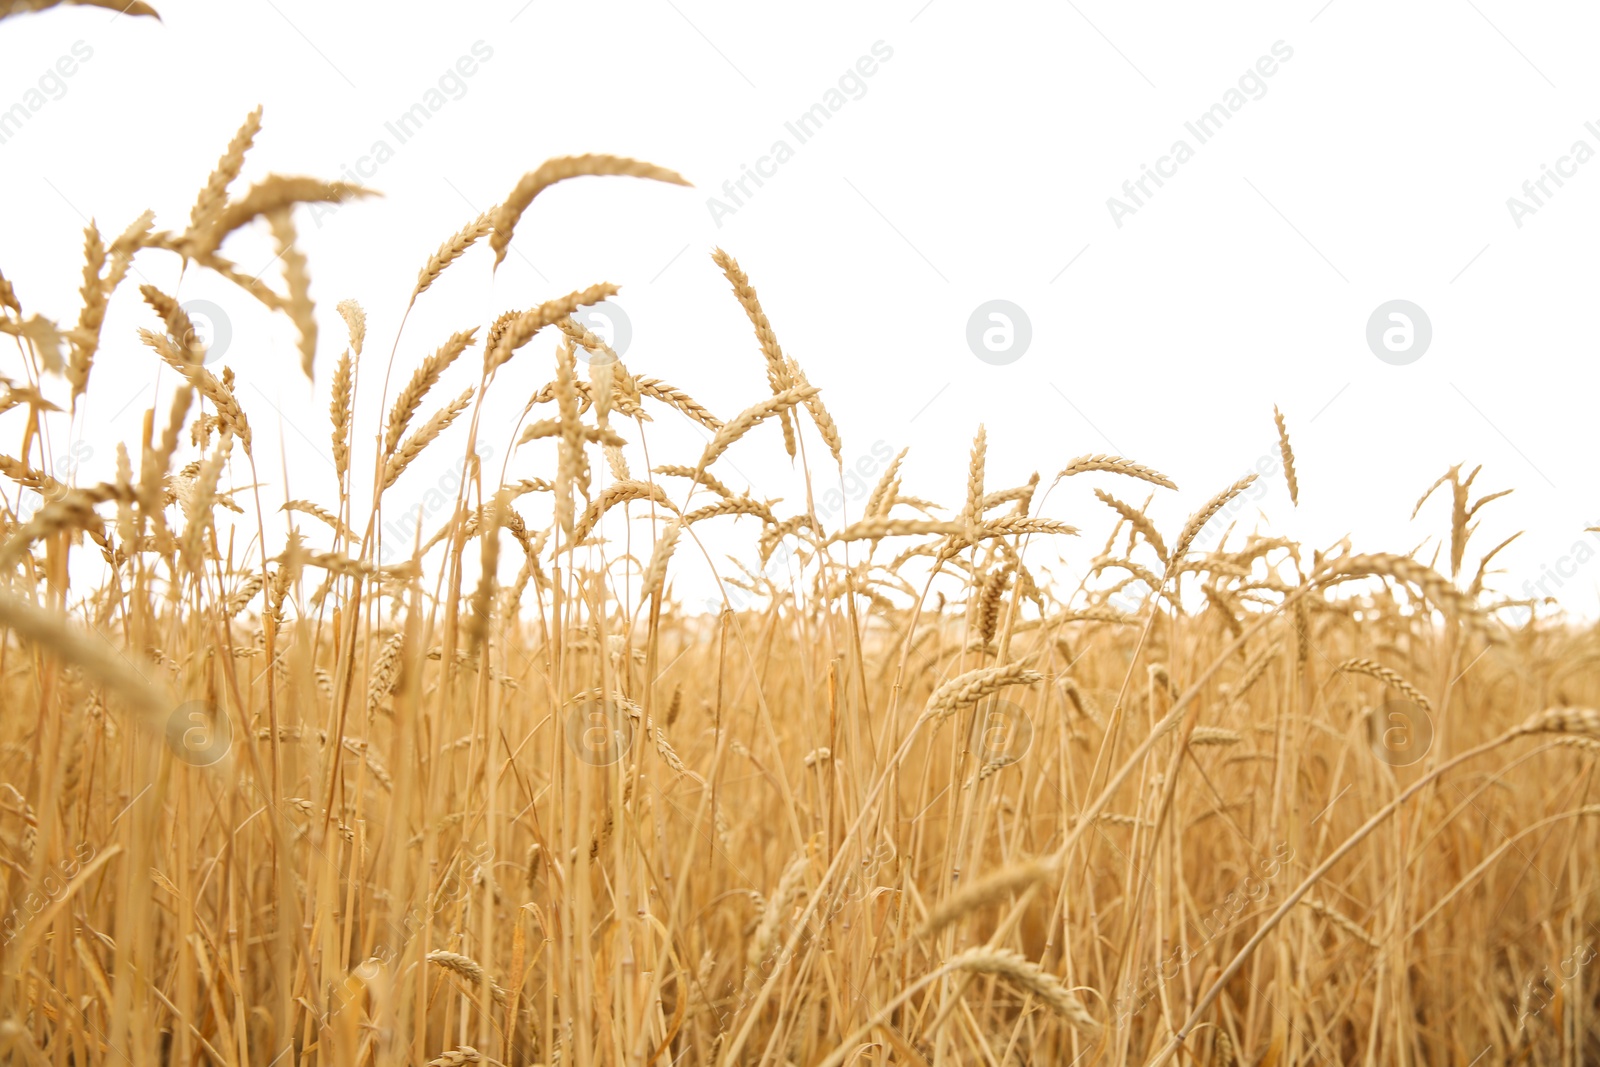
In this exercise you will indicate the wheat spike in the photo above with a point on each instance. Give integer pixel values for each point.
(506, 216)
(202, 497)
(467, 968)
(777, 907)
(988, 890)
(520, 330)
(1031, 977)
(412, 446)
(179, 326)
(990, 592)
(614, 494)
(705, 478)
(1214, 735)
(820, 417)
(339, 414)
(215, 192)
(355, 320)
(1222, 1054)
(778, 376)
(74, 510)
(1341, 920)
(655, 575)
(967, 689)
(273, 193)
(748, 419)
(1287, 452)
(385, 670)
(1116, 465)
(667, 394)
(883, 527)
(1198, 520)
(975, 464)
(1139, 521)
(320, 513)
(424, 378)
(453, 249)
(8, 297)
(457, 1056)
(738, 505)
(86, 337)
(118, 671)
(1404, 569)
(884, 493)
(1387, 677)
(1563, 720)
(295, 273)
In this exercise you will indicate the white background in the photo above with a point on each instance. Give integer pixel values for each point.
(977, 165)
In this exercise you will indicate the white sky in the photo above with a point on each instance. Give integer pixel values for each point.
(975, 164)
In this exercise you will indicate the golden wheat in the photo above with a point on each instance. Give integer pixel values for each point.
(269, 792)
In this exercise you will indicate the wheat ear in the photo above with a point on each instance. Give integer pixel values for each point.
(1287, 452)
(531, 184)
(967, 689)
(453, 249)
(215, 192)
(1116, 465)
(1031, 977)
(984, 892)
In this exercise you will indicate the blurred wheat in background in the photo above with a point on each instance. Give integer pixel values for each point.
(275, 788)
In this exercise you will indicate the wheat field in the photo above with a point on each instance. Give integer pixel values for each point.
(275, 791)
